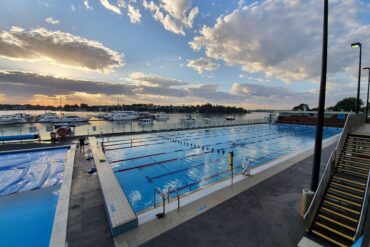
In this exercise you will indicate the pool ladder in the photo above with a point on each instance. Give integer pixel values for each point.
(158, 191)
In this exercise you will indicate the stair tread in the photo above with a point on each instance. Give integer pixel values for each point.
(340, 205)
(344, 200)
(355, 160)
(348, 171)
(339, 228)
(354, 167)
(340, 213)
(347, 188)
(349, 179)
(344, 219)
(349, 194)
(338, 240)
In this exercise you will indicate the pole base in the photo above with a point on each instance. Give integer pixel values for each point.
(307, 196)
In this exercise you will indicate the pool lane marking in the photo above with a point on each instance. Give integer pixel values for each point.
(111, 149)
(150, 155)
(159, 162)
(150, 179)
(134, 158)
(129, 142)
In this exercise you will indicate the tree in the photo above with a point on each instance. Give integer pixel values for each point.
(347, 104)
(301, 107)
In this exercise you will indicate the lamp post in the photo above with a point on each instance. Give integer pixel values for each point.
(358, 45)
(368, 88)
(321, 112)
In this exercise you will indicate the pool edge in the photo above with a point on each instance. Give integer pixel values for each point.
(121, 216)
(59, 231)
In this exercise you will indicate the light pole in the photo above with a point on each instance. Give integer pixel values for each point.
(358, 45)
(321, 112)
(368, 88)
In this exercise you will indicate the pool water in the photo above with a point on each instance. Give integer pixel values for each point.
(29, 187)
(189, 160)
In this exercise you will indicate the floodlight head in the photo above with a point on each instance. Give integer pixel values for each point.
(366, 68)
(356, 45)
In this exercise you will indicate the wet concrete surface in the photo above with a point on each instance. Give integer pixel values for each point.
(87, 220)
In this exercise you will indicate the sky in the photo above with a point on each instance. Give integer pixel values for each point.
(254, 54)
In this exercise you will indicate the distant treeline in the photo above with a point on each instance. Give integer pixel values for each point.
(206, 108)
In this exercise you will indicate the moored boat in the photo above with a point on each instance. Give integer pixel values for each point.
(11, 119)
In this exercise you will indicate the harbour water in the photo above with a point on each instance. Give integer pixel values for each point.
(98, 126)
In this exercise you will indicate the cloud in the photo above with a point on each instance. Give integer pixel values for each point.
(52, 21)
(58, 47)
(175, 15)
(87, 5)
(202, 64)
(133, 14)
(155, 80)
(116, 9)
(283, 38)
(28, 83)
(45, 88)
(278, 97)
(26, 87)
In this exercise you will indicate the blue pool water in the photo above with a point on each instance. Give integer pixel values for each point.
(29, 186)
(189, 160)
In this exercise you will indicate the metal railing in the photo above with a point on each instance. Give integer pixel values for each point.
(365, 204)
(172, 190)
(353, 122)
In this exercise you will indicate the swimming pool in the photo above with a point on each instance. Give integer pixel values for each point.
(193, 159)
(29, 187)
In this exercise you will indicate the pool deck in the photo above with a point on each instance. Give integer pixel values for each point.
(87, 220)
(266, 214)
(277, 190)
(121, 217)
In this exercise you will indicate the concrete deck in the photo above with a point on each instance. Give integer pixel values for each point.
(266, 214)
(87, 221)
(121, 217)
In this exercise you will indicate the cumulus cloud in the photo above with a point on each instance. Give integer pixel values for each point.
(52, 21)
(58, 47)
(283, 38)
(114, 8)
(87, 5)
(202, 64)
(175, 15)
(155, 80)
(133, 14)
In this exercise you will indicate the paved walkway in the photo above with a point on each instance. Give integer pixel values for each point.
(87, 221)
(264, 215)
(364, 130)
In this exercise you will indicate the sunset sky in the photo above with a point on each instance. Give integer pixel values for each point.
(254, 54)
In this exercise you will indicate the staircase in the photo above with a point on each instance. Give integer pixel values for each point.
(338, 217)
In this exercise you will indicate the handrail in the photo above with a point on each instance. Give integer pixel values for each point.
(352, 122)
(156, 191)
(173, 190)
(324, 181)
(362, 218)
